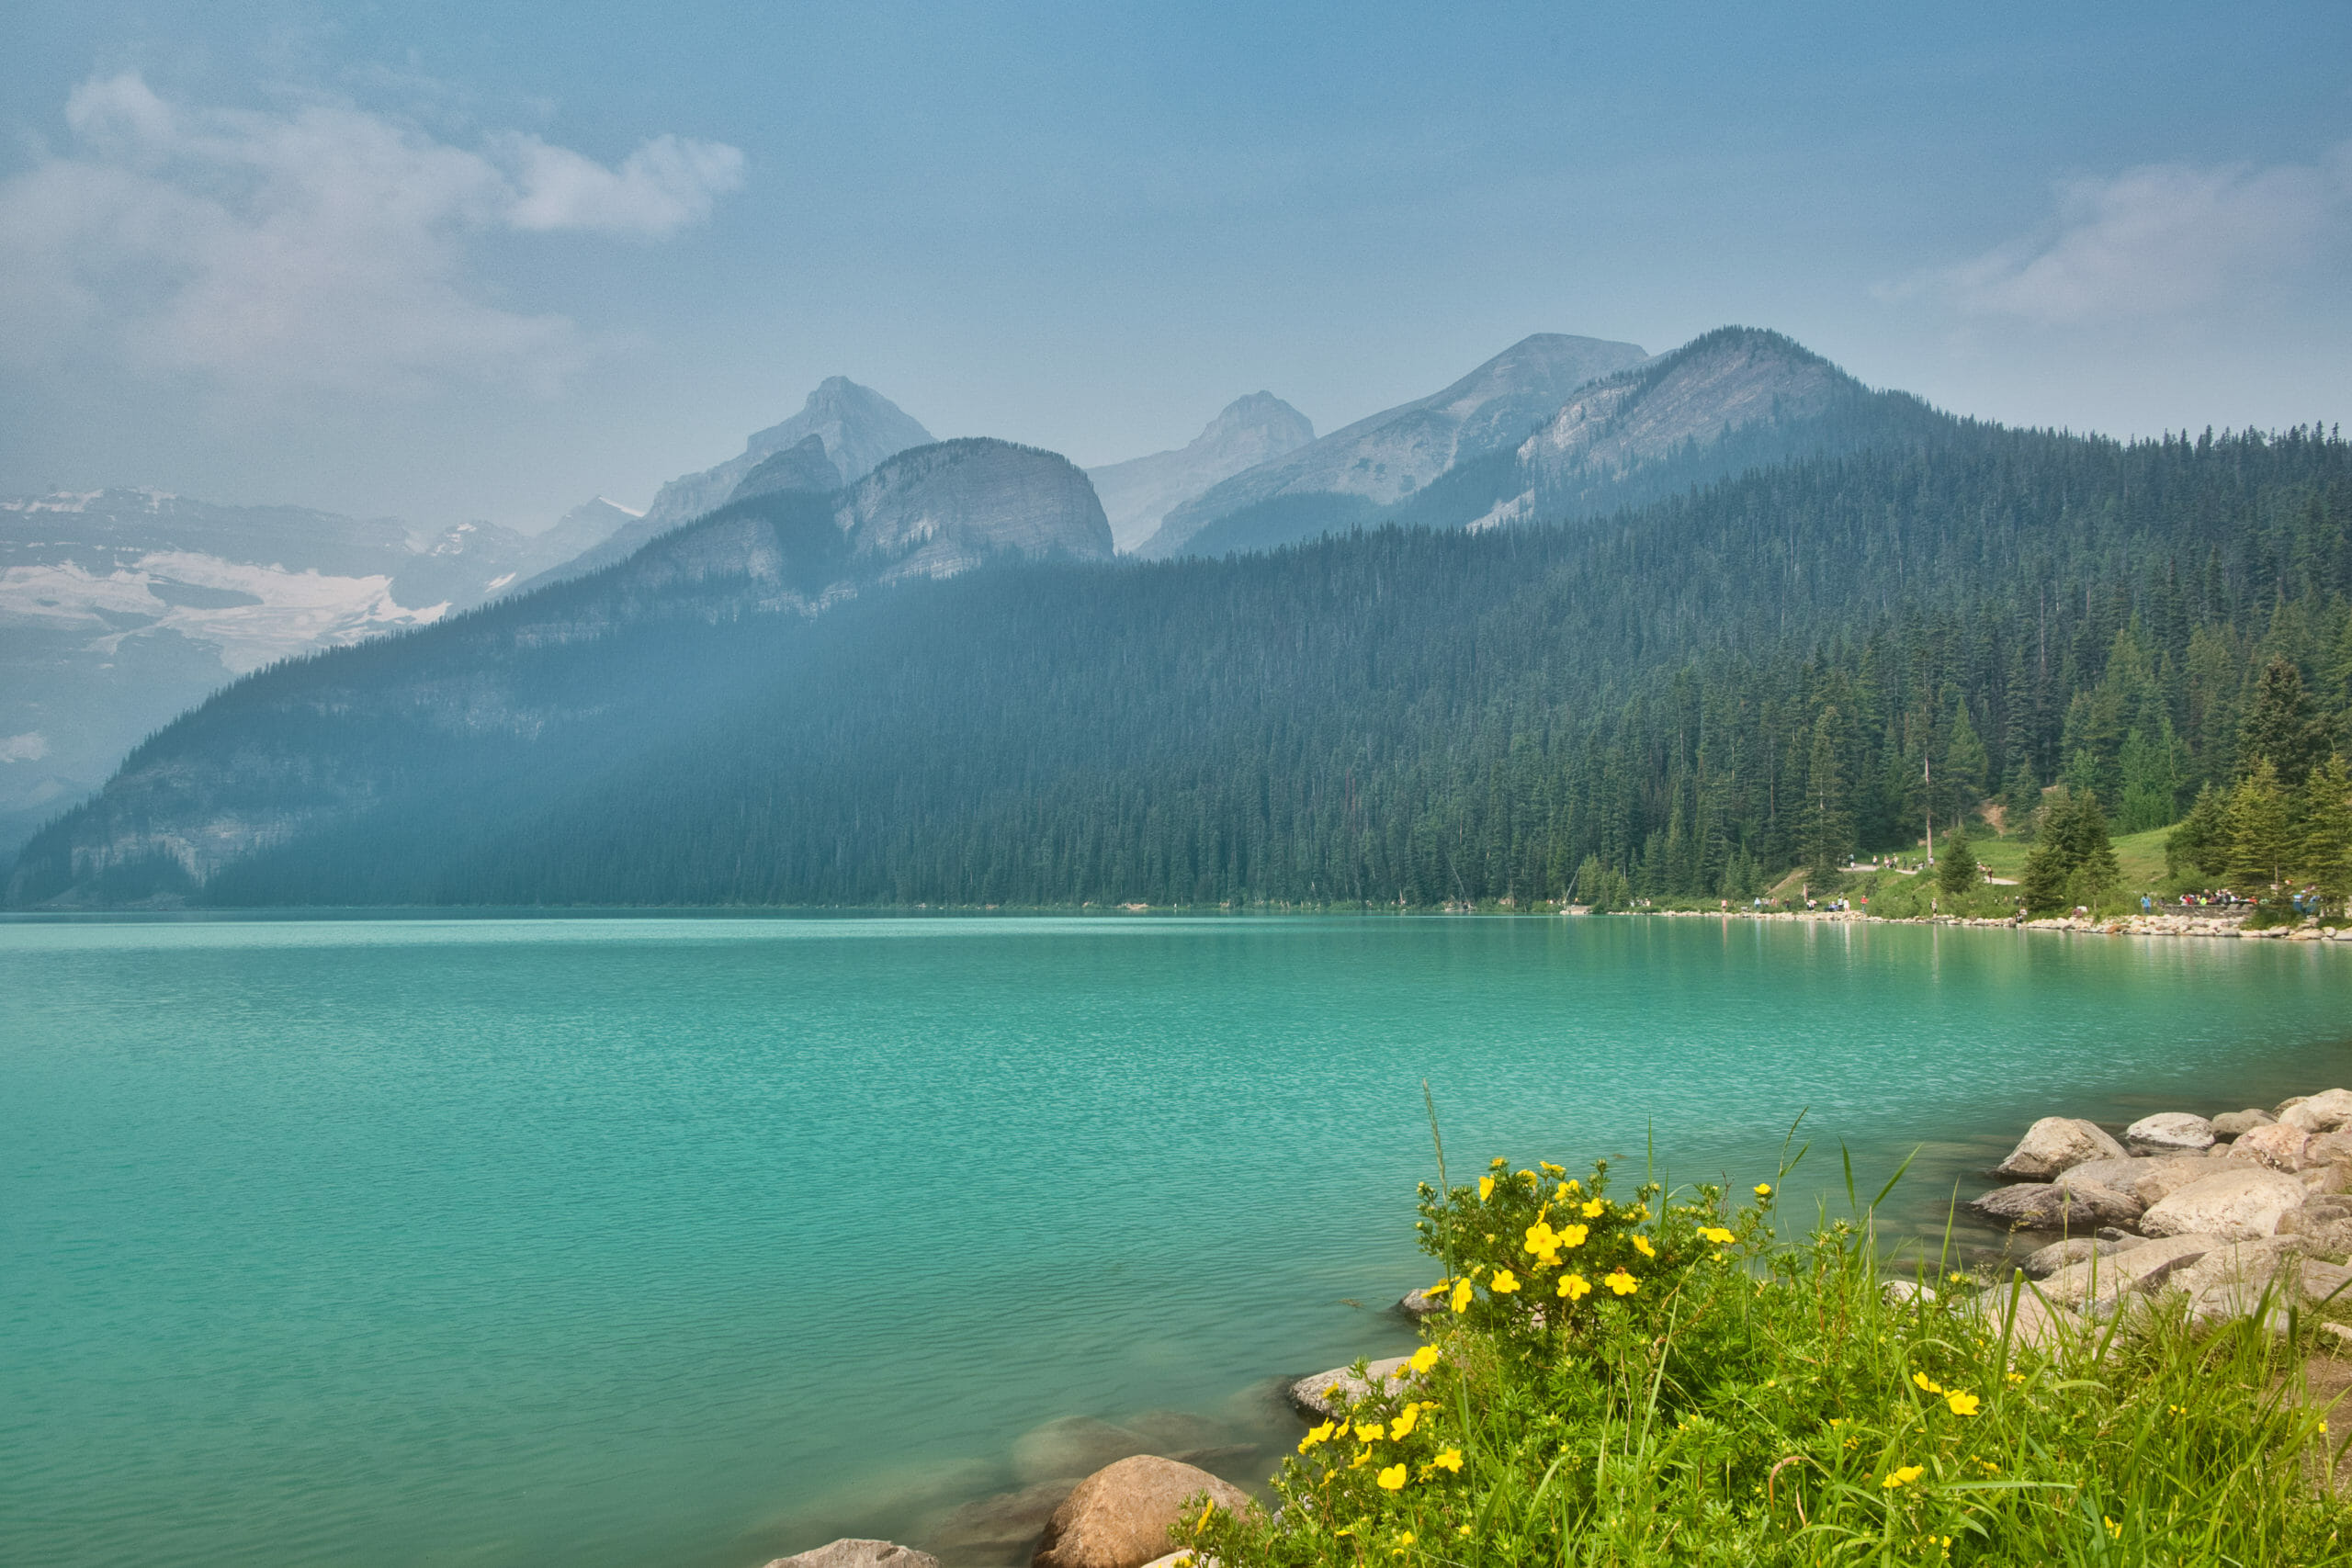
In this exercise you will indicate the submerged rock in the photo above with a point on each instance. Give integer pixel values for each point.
(2236, 1205)
(850, 1552)
(2169, 1132)
(1423, 1302)
(1119, 1517)
(2054, 1144)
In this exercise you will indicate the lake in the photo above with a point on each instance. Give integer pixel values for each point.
(695, 1240)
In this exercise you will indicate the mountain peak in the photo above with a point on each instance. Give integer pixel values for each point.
(1136, 495)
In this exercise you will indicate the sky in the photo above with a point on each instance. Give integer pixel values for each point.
(486, 259)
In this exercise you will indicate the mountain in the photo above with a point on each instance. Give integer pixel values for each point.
(1136, 495)
(122, 608)
(1349, 474)
(780, 553)
(858, 427)
(801, 467)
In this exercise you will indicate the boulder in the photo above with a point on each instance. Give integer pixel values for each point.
(2234, 1280)
(1422, 1304)
(2054, 1144)
(849, 1552)
(2236, 1205)
(2058, 1255)
(2037, 1206)
(2327, 1149)
(2041, 1324)
(2169, 1132)
(2237, 1124)
(2279, 1145)
(2328, 1180)
(2288, 1103)
(1327, 1395)
(2145, 1180)
(2329, 1234)
(2327, 1111)
(2140, 1269)
(1119, 1517)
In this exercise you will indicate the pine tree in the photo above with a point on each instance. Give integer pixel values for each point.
(2326, 849)
(1956, 870)
(2262, 841)
(1829, 832)
(2279, 725)
(2201, 843)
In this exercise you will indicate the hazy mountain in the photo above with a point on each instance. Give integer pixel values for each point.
(933, 512)
(122, 608)
(801, 467)
(1140, 492)
(858, 427)
(1349, 474)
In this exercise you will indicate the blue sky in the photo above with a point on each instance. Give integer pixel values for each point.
(487, 259)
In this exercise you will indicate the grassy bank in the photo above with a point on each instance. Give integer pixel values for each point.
(1661, 1378)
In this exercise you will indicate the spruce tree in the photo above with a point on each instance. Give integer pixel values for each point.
(2326, 848)
(2262, 838)
(1956, 870)
(2279, 725)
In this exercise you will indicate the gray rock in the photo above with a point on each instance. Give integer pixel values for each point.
(2169, 1132)
(2329, 1234)
(1329, 1394)
(2039, 1206)
(2288, 1103)
(2236, 1123)
(1120, 1515)
(2144, 1180)
(2327, 1111)
(2237, 1205)
(2279, 1147)
(2054, 1144)
(1418, 1304)
(2325, 1181)
(2032, 1320)
(849, 1552)
(2327, 1149)
(2059, 1255)
(1903, 1292)
(2138, 1269)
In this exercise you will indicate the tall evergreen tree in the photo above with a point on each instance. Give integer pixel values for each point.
(2280, 726)
(2262, 828)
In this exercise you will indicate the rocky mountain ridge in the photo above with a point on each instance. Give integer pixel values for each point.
(1138, 494)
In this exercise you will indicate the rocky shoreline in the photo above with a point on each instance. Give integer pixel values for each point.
(2243, 1212)
(2204, 922)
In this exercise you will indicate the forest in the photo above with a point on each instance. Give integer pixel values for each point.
(1684, 699)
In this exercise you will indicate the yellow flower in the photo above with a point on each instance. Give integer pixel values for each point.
(1485, 1188)
(1405, 1539)
(1315, 1435)
(1392, 1479)
(1962, 1404)
(1641, 1245)
(1406, 1419)
(1548, 1169)
(1363, 1456)
(1424, 1358)
(2016, 1377)
(1573, 1237)
(1539, 1239)
(2112, 1528)
(1570, 1185)
(1717, 1235)
(1624, 1284)
(1462, 1296)
(1369, 1432)
(1449, 1458)
(1592, 1210)
(1904, 1477)
(1923, 1381)
(1504, 1282)
(1573, 1287)
(1764, 1190)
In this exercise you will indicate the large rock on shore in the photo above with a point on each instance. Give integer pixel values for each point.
(2145, 1182)
(1329, 1394)
(849, 1552)
(2237, 1124)
(2235, 1280)
(2054, 1144)
(2236, 1205)
(2074, 1249)
(1119, 1517)
(2327, 1111)
(2038, 1323)
(2279, 1147)
(2039, 1206)
(2169, 1132)
(2140, 1269)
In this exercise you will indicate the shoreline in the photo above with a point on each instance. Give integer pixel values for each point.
(2204, 925)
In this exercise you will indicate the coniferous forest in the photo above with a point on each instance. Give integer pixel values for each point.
(1685, 699)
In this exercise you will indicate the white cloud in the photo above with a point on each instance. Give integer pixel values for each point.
(29, 747)
(322, 249)
(2157, 241)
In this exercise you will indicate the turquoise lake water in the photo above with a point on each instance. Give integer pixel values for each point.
(687, 1241)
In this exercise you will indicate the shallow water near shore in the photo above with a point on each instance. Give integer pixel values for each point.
(688, 1240)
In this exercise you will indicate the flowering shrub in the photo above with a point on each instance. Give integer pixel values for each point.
(1661, 1380)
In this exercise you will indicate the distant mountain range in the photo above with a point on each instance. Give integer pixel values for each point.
(122, 608)
(1138, 494)
(1350, 475)
(857, 426)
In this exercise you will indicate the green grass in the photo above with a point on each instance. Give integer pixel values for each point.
(1752, 1401)
(2141, 856)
